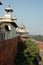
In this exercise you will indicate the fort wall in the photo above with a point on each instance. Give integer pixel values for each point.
(8, 49)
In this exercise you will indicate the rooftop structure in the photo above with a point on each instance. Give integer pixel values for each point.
(8, 24)
(9, 9)
(21, 31)
(8, 16)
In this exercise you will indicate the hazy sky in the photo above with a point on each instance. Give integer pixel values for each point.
(30, 12)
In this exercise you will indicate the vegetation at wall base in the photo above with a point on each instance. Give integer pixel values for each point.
(27, 54)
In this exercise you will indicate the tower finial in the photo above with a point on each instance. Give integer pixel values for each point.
(9, 9)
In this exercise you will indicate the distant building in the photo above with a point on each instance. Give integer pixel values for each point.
(8, 25)
(22, 32)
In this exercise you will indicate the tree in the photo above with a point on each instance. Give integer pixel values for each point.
(27, 53)
(31, 49)
(31, 52)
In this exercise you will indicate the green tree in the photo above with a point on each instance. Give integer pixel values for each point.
(31, 51)
(26, 53)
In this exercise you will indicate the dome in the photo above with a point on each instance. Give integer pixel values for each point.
(22, 29)
(21, 26)
(9, 9)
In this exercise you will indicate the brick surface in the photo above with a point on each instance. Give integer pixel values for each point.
(8, 49)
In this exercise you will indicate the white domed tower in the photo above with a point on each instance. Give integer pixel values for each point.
(22, 32)
(8, 14)
(8, 25)
(9, 10)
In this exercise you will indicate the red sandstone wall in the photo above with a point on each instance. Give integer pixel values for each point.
(8, 49)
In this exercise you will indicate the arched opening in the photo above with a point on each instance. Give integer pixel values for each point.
(8, 27)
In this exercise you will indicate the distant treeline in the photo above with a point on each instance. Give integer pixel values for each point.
(36, 37)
